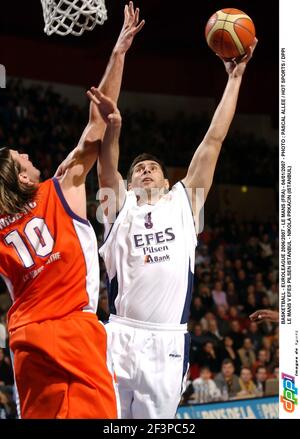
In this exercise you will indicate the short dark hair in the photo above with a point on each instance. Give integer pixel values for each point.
(13, 194)
(227, 361)
(245, 368)
(142, 157)
(261, 367)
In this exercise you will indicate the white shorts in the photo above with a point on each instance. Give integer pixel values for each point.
(151, 364)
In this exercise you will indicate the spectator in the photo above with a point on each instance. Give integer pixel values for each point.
(218, 295)
(241, 284)
(272, 383)
(7, 406)
(197, 340)
(250, 270)
(213, 333)
(260, 380)
(226, 381)
(255, 335)
(251, 304)
(231, 295)
(206, 319)
(236, 334)
(209, 357)
(222, 320)
(273, 295)
(233, 314)
(205, 389)
(206, 297)
(266, 251)
(274, 364)
(247, 354)
(263, 358)
(197, 309)
(248, 388)
(228, 352)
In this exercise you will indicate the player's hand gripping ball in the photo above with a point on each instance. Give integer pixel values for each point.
(229, 33)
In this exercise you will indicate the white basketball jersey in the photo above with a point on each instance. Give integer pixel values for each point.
(149, 255)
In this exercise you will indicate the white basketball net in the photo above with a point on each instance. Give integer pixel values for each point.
(65, 17)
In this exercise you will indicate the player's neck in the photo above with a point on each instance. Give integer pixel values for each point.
(149, 196)
(151, 202)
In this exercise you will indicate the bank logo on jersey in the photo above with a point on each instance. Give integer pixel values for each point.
(154, 259)
(148, 221)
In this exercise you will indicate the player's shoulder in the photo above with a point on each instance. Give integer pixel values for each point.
(44, 185)
(47, 189)
(178, 190)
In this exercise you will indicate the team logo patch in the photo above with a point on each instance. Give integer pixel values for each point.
(148, 221)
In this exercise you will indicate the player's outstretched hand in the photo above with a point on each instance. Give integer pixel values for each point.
(265, 314)
(236, 66)
(106, 107)
(131, 27)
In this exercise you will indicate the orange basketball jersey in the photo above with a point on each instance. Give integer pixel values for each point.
(48, 259)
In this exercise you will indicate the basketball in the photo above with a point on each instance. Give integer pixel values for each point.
(229, 33)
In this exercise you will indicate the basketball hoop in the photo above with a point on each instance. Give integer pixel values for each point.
(65, 17)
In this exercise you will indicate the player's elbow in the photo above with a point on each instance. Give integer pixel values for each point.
(109, 179)
(215, 138)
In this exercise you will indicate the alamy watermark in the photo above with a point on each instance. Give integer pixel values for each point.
(111, 202)
(2, 76)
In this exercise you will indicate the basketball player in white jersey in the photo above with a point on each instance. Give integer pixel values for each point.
(50, 382)
(149, 251)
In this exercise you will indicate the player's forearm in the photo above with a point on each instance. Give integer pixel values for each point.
(109, 156)
(202, 167)
(110, 85)
(109, 177)
(86, 152)
(224, 113)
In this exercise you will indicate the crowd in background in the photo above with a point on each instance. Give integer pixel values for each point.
(236, 266)
(47, 126)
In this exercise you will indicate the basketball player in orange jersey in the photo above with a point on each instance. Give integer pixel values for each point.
(49, 261)
(149, 255)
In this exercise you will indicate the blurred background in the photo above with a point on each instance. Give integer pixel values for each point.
(172, 84)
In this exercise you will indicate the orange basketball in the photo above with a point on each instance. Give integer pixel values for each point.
(229, 33)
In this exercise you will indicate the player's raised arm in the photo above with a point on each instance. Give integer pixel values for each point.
(73, 170)
(131, 26)
(112, 189)
(201, 170)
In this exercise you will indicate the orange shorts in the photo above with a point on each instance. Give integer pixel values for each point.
(61, 370)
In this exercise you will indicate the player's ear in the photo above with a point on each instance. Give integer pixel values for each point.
(23, 178)
(129, 186)
(167, 184)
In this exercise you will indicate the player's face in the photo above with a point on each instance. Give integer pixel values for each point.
(148, 175)
(29, 174)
